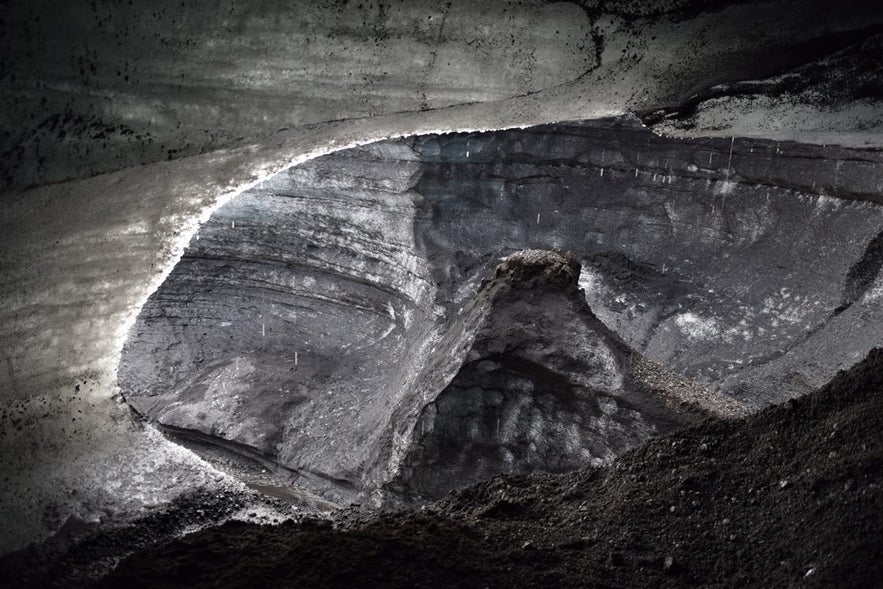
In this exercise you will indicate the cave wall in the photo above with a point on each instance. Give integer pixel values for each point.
(79, 257)
(306, 319)
(91, 87)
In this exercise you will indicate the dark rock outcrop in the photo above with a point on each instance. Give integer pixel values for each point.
(544, 385)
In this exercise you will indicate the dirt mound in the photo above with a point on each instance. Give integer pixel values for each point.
(540, 385)
(790, 496)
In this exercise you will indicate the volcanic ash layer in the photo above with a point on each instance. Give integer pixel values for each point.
(790, 496)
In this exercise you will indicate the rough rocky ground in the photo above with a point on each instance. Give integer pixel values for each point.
(790, 496)
(82, 552)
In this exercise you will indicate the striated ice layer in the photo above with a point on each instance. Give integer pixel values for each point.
(317, 320)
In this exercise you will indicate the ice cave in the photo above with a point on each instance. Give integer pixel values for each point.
(441, 294)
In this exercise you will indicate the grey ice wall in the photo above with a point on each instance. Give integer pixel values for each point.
(312, 307)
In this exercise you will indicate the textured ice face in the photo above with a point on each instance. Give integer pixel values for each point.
(304, 322)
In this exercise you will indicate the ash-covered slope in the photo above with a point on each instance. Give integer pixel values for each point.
(543, 385)
(791, 496)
